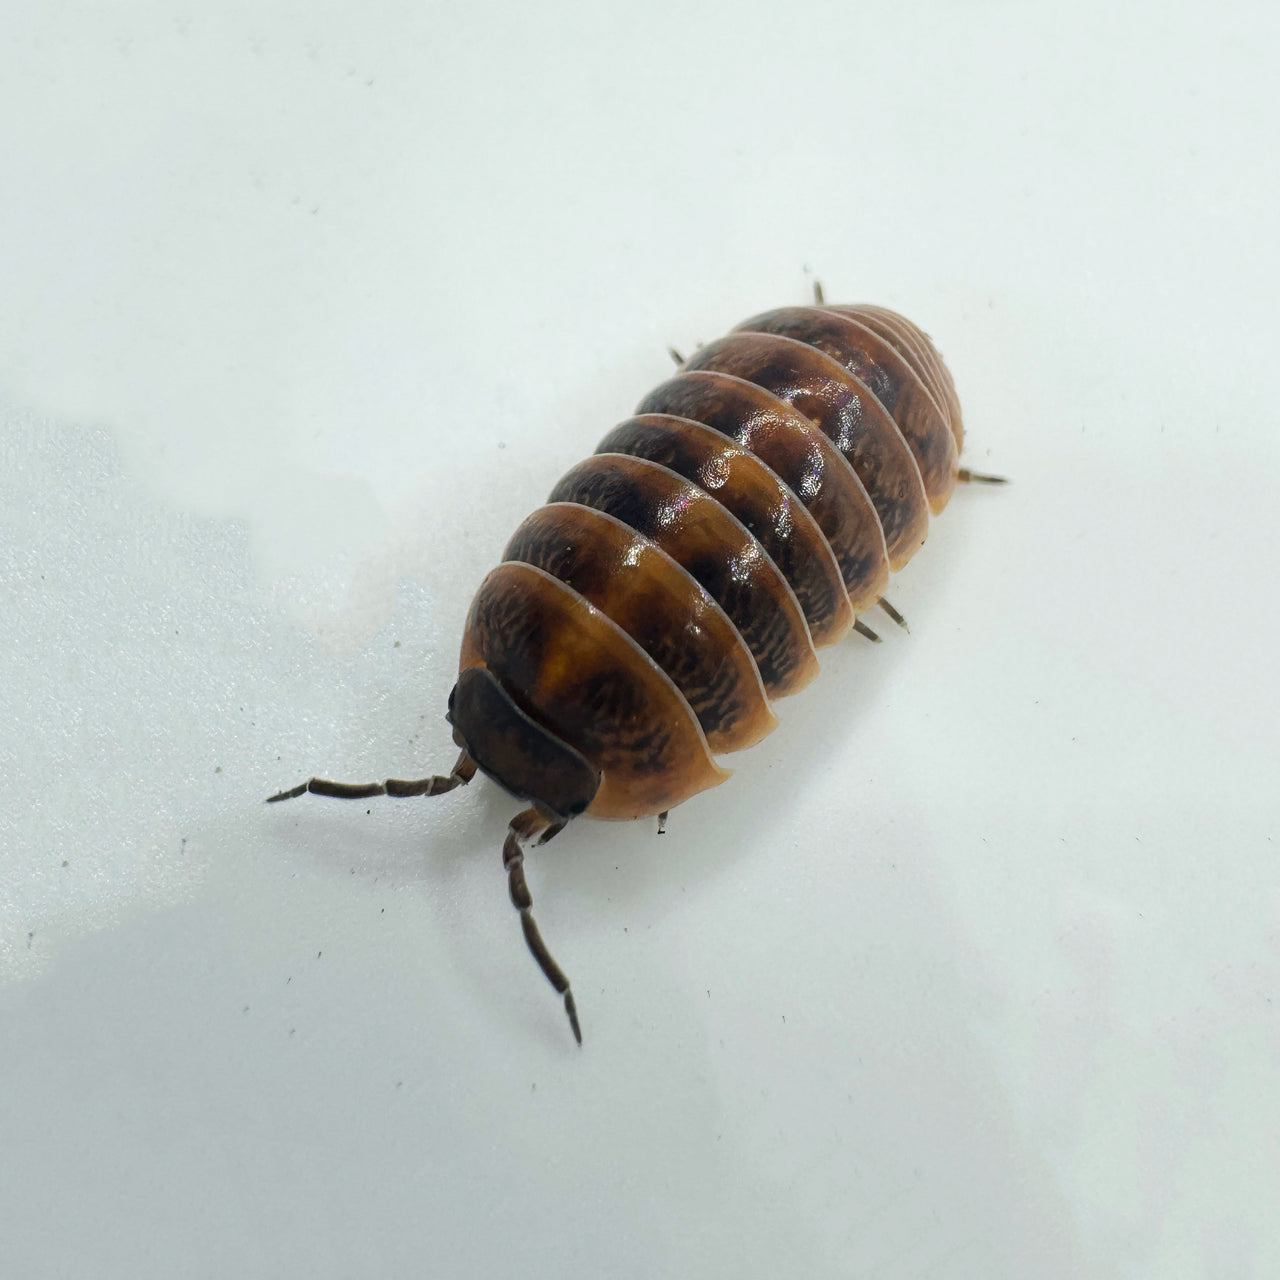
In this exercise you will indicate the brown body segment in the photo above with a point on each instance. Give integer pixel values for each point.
(581, 675)
(877, 364)
(847, 413)
(750, 491)
(661, 607)
(698, 533)
(801, 456)
(917, 348)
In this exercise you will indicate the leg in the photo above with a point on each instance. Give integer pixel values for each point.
(662, 822)
(462, 773)
(863, 630)
(893, 613)
(524, 826)
(819, 299)
(965, 476)
(677, 357)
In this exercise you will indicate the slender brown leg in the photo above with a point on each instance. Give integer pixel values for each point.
(524, 826)
(819, 299)
(462, 773)
(965, 476)
(676, 356)
(863, 630)
(893, 613)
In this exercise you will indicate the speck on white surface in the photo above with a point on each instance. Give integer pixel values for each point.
(973, 967)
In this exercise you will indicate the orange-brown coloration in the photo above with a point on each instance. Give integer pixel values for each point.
(919, 352)
(753, 506)
(802, 457)
(699, 534)
(661, 607)
(874, 362)
(582, 676)
(847, 413)
(766, 508)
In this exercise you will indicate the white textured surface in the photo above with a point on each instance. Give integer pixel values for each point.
(971, 970)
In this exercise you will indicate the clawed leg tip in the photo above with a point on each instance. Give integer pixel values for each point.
(572, 1010)
(894, 614)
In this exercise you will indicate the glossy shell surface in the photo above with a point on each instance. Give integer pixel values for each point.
(681, 578)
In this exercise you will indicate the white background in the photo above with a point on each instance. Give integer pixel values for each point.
(973, 969)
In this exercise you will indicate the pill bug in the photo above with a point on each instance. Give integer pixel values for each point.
(680, 579)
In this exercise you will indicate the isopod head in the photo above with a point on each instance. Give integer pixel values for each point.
(519, 754)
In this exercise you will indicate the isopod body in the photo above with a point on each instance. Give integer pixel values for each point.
(679, 580)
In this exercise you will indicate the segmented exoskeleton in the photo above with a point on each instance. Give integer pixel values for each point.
(681, 578)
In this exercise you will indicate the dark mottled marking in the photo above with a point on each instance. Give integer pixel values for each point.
(758, 497)
(793, 447)
(916, 347)
(879, 366)
(610, 720)
(660, 606)
(846, 412)
(591, 685)
(698, 533)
